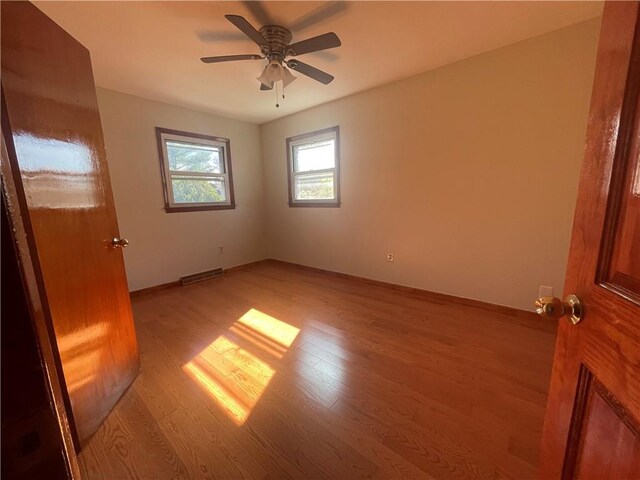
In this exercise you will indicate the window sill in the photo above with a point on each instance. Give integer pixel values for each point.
(198, 208)
(315, 204)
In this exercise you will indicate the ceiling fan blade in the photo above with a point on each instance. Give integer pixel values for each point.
(245, 27)
(214, 36)
(230, 58)
(314, 44)
(310, 71)
(324, 11)
(264, 87)
(259, 12)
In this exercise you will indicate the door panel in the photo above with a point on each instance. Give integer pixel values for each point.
(55, 144)
(621, 258)
(610, 447)
(592, 421)
(605, 440)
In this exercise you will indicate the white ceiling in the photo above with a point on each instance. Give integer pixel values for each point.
(152, 49)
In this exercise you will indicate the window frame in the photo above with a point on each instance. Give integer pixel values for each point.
(316, 135)
(163, 134)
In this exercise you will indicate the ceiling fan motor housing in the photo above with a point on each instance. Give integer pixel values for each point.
(277, 40)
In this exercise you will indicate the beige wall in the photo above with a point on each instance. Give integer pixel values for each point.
(165, 246)
(467, 173)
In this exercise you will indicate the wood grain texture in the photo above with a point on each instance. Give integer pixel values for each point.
(33, 443)
(603, 348)
(603, 427)
(620, 266)
(14, 202)
(378, 383)
(58, 160)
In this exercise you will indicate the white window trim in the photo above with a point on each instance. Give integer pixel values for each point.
(169, 174)
(330, 134)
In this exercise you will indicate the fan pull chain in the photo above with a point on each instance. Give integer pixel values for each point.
(276, 85)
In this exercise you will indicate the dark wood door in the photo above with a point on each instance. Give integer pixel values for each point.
(55, 146)
(592, 427)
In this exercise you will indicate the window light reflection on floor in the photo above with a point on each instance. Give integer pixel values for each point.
(232, 375)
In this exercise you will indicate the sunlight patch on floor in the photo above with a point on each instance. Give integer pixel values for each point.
(276, 330)
(234, 376)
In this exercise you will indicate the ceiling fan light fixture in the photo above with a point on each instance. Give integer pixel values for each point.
(275, 72)
(287, 77)
(275, 46)
(271, 73)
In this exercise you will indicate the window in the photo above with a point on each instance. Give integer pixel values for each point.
(196, 171)
(314, 169)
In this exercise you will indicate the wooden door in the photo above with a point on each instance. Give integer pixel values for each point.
(34, 444)
(56, 156)
(592, 425)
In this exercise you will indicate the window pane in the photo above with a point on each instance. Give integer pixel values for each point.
(314, 156)
(314, 186)
(198, 190)
(187, 157)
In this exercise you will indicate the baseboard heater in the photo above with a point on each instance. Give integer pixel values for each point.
(200, 277)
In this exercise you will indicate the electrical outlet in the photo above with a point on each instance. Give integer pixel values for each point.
(220, 250)
(545, 291)
(389, 257)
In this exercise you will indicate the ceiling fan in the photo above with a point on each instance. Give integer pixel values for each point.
(275, 46)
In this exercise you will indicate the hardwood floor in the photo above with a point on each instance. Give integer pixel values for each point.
(376, 384)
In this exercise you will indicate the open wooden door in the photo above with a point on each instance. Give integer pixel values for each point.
(592, 425)
(57, 181)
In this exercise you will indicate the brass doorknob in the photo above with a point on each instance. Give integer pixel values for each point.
(119, 242)
(552, 307)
